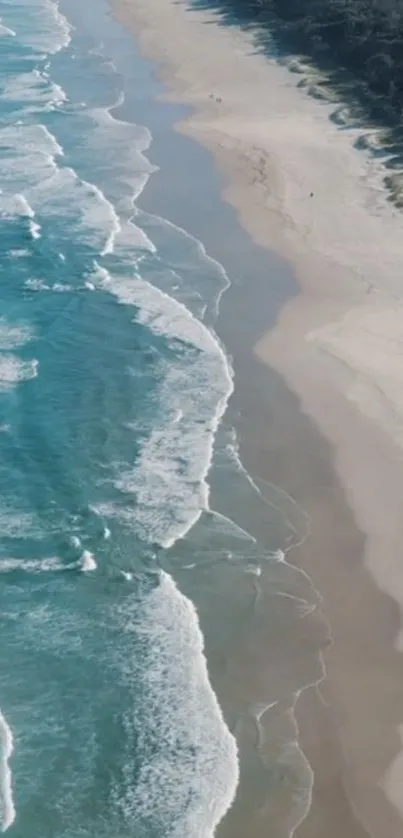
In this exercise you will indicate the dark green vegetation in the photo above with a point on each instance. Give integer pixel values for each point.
(364, 37)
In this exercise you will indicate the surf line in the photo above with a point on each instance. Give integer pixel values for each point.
(7, 810)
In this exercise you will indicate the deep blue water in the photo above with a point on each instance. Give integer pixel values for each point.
(112, 387)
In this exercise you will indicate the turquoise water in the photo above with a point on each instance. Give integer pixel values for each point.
(112, 387)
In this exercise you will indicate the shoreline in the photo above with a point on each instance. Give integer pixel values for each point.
(315, 348)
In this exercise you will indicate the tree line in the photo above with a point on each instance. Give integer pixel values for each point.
(363, 36)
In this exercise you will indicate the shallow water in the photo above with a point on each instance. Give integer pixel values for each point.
(113, 389)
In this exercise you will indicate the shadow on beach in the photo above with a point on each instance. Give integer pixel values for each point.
(356, 107)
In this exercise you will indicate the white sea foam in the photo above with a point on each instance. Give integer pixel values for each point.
(29, 173)
(161, 313)
(32, 565)
(18, 252)
(113, 144)
(27, 159)
(131, 238)
(191, 254)
(189, 773)
(121, 145)
(168, 482)
(13, 370)
(57, 287)
(278, 555)
(40, 285)
(42, 27)
(36, 285)
(61, 287)
(87, 562)
(14, 335)
(7, 810)
(21, 206)
(86, 213)
(29, 162)
(17, 140)
(129, 140)
(17, 205)
(4, 30)
(33, 91)
(35, 230)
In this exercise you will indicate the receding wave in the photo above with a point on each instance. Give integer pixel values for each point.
(168, 480)
(189, 770)
(33, 92)
(42, 27)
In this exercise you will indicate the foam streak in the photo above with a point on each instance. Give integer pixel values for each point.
(7, 810)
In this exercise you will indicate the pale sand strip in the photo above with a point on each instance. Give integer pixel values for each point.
(339, 344)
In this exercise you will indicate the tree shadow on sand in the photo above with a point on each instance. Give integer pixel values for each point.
(355, 105)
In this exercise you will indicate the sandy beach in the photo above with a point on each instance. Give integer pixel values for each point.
(302, 189)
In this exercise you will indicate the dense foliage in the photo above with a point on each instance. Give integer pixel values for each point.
(363, 36)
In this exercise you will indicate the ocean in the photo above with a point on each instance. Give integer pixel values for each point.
(123, 586)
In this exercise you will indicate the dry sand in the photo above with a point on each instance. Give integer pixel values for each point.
(339, 346)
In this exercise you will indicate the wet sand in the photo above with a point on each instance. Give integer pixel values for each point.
(338, 346)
